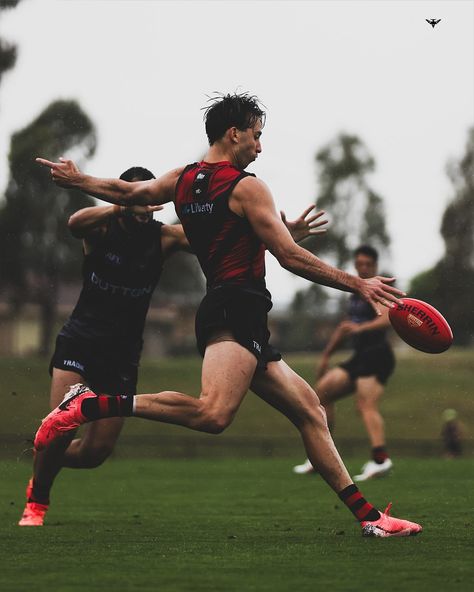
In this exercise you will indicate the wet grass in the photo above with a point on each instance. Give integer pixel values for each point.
(234, 525)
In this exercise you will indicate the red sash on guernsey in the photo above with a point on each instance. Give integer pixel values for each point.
(227, 248)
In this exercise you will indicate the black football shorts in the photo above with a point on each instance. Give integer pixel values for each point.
(244, 314)
(377, 360)
(107, 367)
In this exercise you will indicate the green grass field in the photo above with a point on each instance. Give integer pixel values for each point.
(238, 525)
(421, 388)
(176, 510)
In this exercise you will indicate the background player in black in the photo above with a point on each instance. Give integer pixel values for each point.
(364, 374)
(234, 127)
(101, 342)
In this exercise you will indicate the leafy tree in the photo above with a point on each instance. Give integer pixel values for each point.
(356, 210)
(449, 285)
(8, 51)
(37, 247)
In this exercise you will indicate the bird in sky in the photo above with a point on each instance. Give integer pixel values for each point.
(433, 22)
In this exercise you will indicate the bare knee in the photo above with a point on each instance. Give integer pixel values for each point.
(364, 405)
(318, 417)
(310, 411)
(212, 419)
(215, 422)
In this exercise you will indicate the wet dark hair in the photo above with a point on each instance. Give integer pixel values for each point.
(239, 110)
(137, 173)
(368, 251)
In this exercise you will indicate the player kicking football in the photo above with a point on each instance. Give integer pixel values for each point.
(101, 342)
(229, 218)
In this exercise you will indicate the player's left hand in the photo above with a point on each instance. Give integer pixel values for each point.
(305, 225)
(63, 173)
(378, 290)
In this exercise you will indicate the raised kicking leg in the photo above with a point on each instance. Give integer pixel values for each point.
(227, 371)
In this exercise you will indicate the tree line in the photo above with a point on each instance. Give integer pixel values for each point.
(359, 217)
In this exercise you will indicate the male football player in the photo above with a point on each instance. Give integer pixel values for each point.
(364, 374)
(229, 218)
(101, 342)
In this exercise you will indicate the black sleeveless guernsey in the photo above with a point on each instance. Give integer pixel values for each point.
(229, 251)
(119, 277)
(361, 311)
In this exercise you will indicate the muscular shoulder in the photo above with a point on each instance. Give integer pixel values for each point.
(171, 178)
(249, 186)
(160, 190)
(249, 192)
(175, 174)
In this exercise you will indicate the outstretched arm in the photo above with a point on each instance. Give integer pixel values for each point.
(173, 239)
(66, 174)
(90, 221)
(252, 199)
(305, 225)
(377, 324)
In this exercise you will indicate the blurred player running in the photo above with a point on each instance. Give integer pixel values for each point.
(229, 217)
(101, 342)
(365, 373)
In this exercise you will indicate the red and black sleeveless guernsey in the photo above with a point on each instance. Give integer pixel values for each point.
(229, 251)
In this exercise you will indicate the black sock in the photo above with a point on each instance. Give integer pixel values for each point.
(104, 406)
(379, 454)
(357, 504)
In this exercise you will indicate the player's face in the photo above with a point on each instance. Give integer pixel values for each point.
(365, 266)
(142, 218)
(136, 222)
(249, 146)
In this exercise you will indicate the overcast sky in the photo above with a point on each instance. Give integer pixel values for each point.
(142, 70)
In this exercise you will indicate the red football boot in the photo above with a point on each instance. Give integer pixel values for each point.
(33, 514)
(66, 417)
(387, 526)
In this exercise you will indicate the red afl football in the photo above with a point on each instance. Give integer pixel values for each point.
(420, 325)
